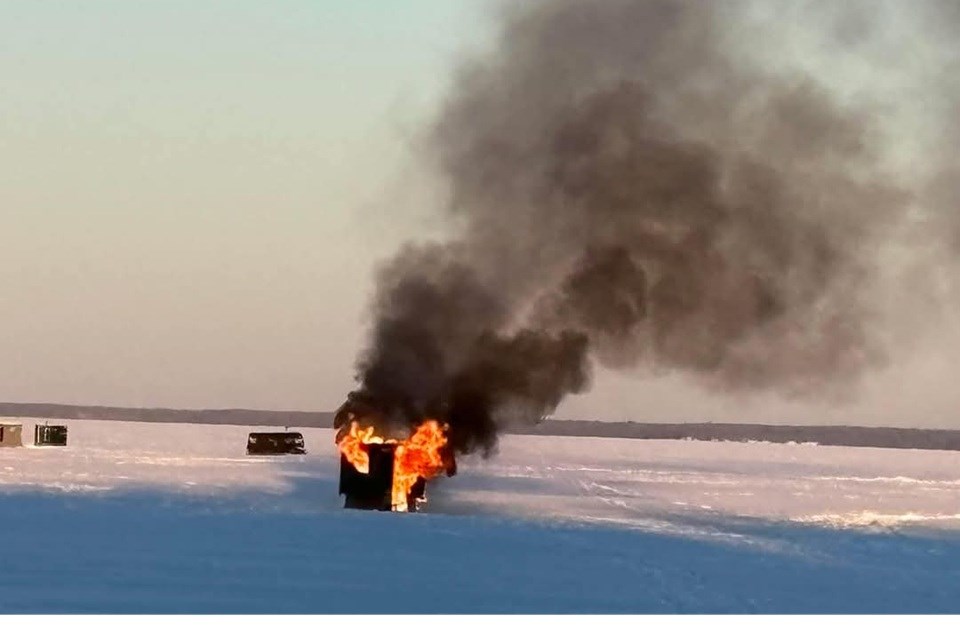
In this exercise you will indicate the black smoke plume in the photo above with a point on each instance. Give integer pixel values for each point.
(630, 185)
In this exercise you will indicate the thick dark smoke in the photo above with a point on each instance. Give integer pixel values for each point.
(630, 185)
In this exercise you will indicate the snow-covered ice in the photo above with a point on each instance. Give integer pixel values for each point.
(139, 517)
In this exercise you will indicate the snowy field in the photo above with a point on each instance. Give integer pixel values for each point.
(137, 517)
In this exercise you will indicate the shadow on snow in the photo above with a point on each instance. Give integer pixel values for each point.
(146, 550)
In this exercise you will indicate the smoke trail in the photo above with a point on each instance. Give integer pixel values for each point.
(629, 185)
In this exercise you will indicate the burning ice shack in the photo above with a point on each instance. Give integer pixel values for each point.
(374, 489)
(11, 435)
(385, 472)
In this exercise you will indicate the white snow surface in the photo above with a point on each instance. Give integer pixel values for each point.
(142, 517)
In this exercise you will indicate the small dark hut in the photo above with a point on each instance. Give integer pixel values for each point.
(50, 435)
(275, 443)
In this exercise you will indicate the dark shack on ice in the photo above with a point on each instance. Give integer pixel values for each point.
(50, 435)
(275, 443)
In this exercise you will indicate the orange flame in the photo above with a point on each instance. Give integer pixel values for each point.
(419, 456)
(352, 446)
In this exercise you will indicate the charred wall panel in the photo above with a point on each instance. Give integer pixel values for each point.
(418, 494)
(373, 490)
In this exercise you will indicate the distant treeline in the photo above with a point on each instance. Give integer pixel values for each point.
(893, 437)
(166, 415)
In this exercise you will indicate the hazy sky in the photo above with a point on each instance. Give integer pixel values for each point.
(192, 193)
(193, 196)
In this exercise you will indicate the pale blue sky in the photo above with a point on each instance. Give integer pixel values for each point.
(193, 196)
(191, 193)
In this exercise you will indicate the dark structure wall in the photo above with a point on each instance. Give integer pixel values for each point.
(373, 490)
